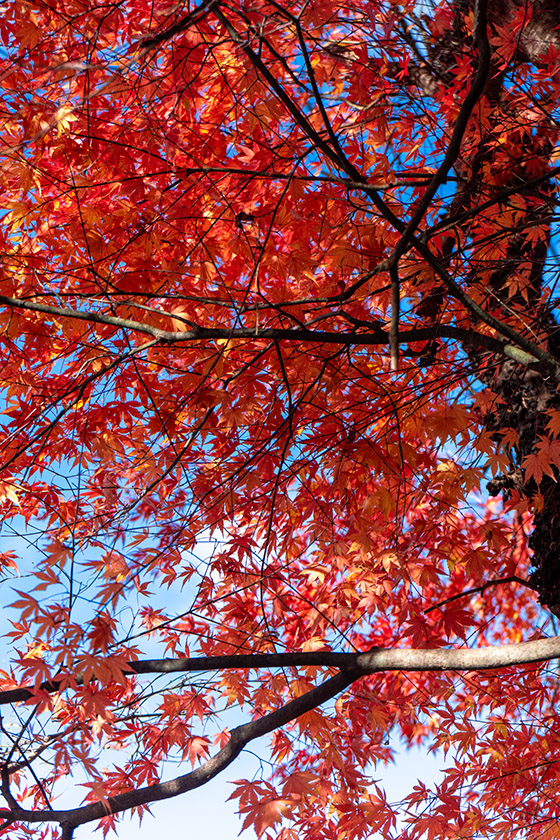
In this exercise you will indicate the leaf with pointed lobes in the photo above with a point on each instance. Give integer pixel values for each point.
(222, 225)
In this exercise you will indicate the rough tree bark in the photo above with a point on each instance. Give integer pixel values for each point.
(524, 393)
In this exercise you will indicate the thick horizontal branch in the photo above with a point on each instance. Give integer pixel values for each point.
(370, 662)
(378, 336)
(377, 659)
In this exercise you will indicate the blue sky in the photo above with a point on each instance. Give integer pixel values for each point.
(205, 814)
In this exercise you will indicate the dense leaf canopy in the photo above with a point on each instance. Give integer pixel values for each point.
(280, 423)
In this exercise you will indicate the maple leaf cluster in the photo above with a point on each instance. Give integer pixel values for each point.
(279, 411)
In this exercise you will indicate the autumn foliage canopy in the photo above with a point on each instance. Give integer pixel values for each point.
(280, 411)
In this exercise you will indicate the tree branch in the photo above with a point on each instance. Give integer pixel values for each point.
(480, 589)
(378, 337)
(378, 659)
(353, 667)
(395, 311)
(240, 737)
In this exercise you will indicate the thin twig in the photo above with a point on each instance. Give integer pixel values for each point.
(475, 589)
